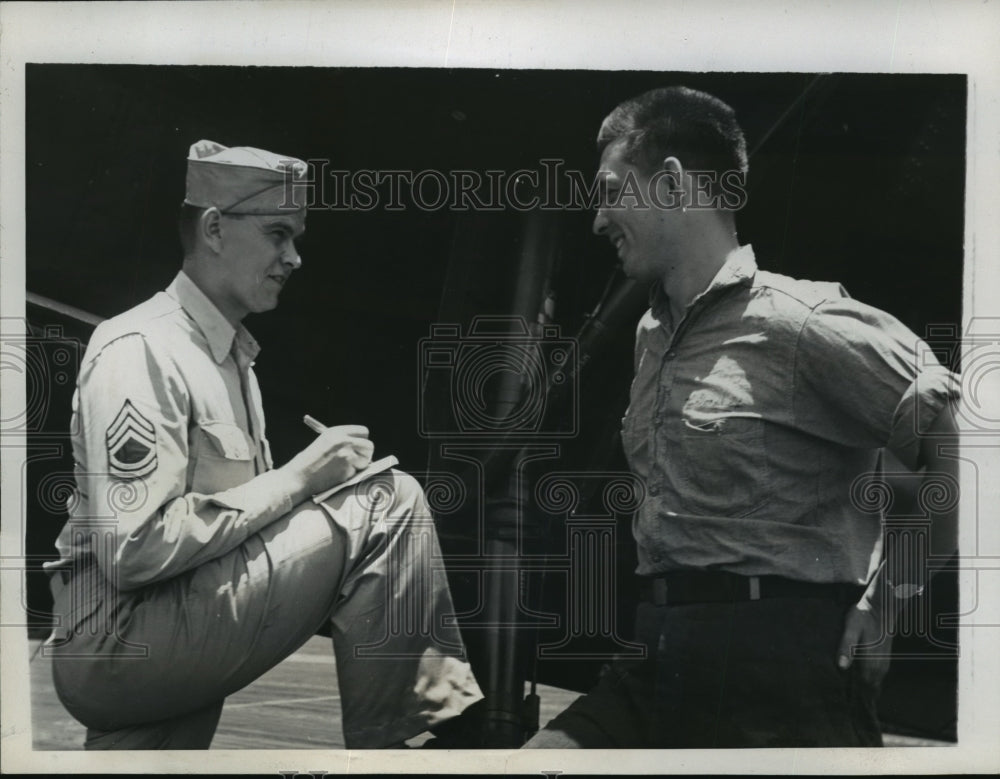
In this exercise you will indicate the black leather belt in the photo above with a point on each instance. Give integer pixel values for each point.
(677, 587)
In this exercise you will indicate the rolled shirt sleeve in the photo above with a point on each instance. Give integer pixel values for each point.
(138, 466)
(863, 379)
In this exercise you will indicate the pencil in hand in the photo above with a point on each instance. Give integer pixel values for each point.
(313, 424)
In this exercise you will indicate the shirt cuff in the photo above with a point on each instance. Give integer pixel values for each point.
(262, 500)
(923, 400)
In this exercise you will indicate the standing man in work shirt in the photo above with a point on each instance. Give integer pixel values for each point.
(189, 565)
(758, 403)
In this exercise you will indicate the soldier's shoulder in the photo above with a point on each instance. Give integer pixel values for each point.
(152, 320)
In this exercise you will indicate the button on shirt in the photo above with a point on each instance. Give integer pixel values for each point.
(171, 464)
(751, 419)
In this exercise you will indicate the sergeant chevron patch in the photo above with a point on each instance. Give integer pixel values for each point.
(131, 440)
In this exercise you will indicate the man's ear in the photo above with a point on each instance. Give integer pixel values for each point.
(670, 184)
(210, 227)
(674, 174)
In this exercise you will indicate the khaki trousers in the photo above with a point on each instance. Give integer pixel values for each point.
(151, 668)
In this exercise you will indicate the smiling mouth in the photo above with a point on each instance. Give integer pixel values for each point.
(618, 242)
(278, 279)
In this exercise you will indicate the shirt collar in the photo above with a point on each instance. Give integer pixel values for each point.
(739, 268)
(216, 328)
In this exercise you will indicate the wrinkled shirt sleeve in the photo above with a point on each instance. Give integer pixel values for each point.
(160, 527)
(863, 379)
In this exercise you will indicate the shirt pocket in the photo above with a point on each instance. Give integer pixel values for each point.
(723, 466)
(222, 457)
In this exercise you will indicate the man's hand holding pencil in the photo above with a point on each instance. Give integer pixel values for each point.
(336, 455)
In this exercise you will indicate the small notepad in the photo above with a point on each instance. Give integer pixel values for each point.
(374, 468)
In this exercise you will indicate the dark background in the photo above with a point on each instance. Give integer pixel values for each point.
(853, 177)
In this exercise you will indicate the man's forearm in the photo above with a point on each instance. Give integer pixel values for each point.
(909, 566)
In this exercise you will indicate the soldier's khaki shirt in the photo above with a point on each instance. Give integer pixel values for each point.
(172, 466)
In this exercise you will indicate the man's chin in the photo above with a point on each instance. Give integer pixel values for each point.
(266, 305)
(635, 273)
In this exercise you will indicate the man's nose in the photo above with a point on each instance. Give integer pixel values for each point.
(291, 258)
(600, 222)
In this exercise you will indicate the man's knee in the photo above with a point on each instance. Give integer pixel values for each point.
(407, 499)
(407, 519)
(406, 485)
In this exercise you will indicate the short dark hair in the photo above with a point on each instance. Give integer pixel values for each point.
(696, 127)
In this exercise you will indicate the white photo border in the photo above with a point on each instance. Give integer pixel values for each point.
(930, 36)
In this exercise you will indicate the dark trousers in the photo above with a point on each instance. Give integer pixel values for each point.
(757, 673)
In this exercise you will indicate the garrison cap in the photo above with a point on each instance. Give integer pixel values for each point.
(244, 180)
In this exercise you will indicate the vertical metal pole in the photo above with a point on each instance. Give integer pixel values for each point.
(505, 724)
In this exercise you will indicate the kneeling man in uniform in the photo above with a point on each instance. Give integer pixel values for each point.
(189, 565)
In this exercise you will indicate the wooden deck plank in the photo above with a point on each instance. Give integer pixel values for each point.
(52, 726)
(295, 705)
